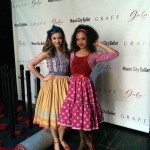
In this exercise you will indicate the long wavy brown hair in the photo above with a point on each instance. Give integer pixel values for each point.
(49, 47)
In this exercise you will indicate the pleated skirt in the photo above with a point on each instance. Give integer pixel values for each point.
(81, 109)
(50, 99)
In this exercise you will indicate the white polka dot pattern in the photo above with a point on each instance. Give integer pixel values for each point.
(81, 109)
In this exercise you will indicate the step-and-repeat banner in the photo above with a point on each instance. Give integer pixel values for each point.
(123, 84)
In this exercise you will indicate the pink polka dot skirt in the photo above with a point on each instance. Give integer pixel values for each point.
(81, 108)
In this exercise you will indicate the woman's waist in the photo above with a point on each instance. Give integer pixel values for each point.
(80, 75)
(58, 73)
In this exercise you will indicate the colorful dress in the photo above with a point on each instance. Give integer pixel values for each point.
(81, 108)
(52, 93)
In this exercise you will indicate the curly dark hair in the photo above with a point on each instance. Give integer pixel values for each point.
(92, 37)
(49, 47)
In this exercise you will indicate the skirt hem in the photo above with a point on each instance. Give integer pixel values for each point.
(61, 124)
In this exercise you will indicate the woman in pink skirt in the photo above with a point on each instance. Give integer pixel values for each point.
(81, 109)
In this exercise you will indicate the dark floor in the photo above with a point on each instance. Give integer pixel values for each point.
(112, 137)
(108, 137)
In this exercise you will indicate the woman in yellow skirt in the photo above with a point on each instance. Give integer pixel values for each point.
(54, 87)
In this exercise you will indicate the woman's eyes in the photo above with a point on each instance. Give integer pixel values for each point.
(83, 39)
(57, 38)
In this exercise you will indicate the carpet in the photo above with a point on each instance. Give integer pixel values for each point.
(22, 129)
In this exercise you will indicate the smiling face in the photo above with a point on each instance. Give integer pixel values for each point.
(57, 39)
(81, 40)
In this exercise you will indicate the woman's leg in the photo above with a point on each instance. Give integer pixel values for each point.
(82, 145)
(88, 140)
(61, 131)
(54, 133)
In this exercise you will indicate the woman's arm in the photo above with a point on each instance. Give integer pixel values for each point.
(105, 47)
(104, 56)
(35, 61)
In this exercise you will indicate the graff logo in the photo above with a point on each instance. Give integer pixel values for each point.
(133, 118)
(21, 43)
(22, 61)
(102, 67)
(55, 21)
(131, 93)
(135, 15)
(37, 23)
(136, 43)
(36, 2)
(110, 42)
(107, 18)
(19, 5)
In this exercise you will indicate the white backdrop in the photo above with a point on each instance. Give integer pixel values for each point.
(123, 84)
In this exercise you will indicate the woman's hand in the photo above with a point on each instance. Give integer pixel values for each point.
(49, 76)
(97, 43)
(105, 47)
